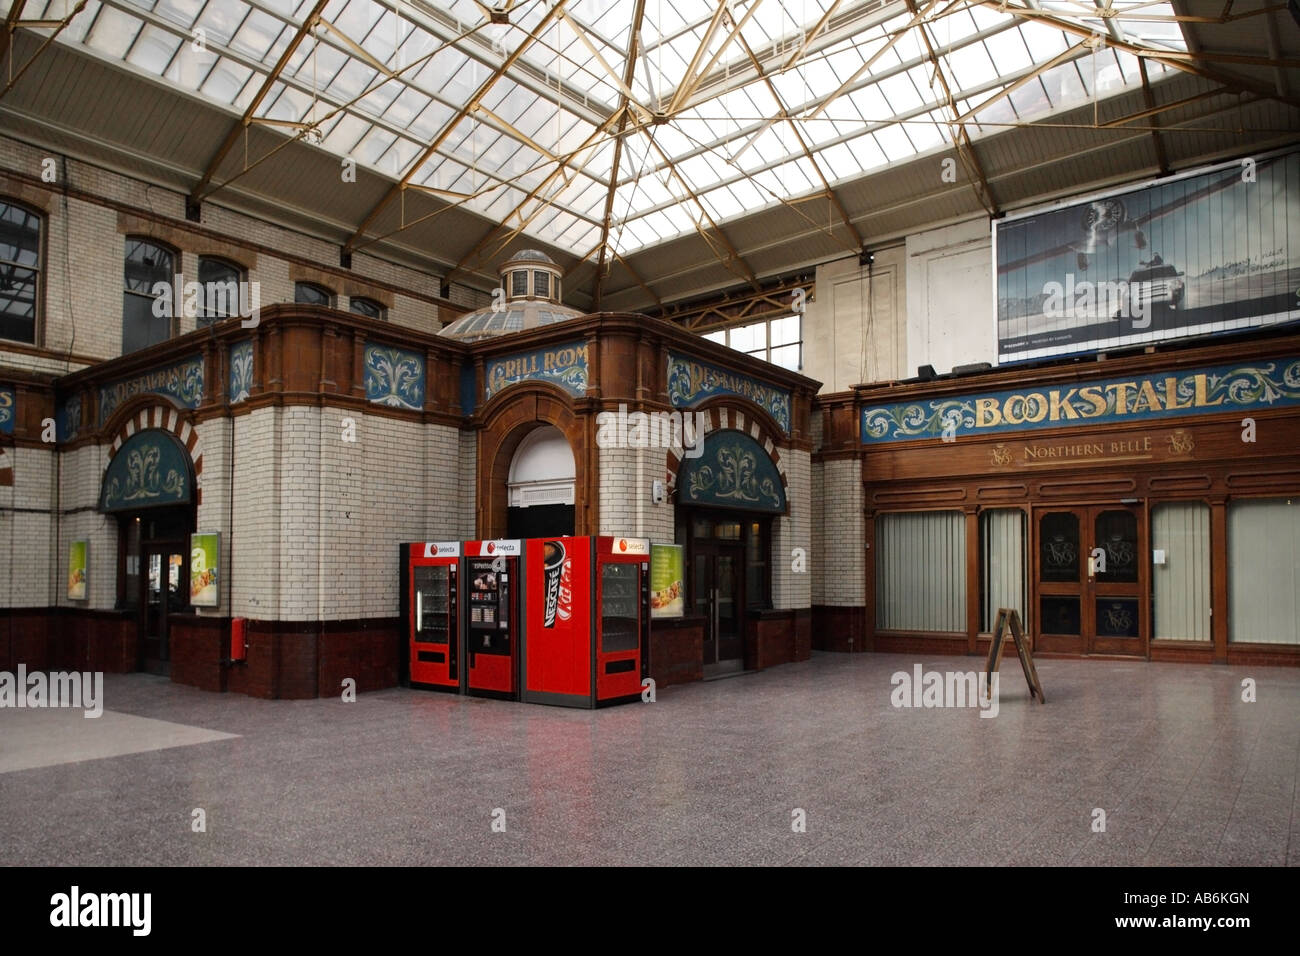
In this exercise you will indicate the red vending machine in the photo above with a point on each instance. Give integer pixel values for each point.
(491, 617)
(430, 601)
(587, 639)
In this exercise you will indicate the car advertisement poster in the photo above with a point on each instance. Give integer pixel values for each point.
(1211, 252)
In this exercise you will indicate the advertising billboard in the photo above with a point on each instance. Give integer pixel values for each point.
(1214, 251)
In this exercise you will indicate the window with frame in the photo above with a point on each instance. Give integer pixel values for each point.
(220, 281)
(518, 283)
(542, 284)
(778, 340)
(367, 307)
(20, 271)
(309, 293)
(148, 316)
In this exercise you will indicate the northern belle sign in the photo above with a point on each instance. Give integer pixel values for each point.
(1271, 383)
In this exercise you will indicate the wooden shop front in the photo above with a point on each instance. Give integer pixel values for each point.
(1144, 506)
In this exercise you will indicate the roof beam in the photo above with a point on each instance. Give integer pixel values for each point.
(831, 195)
(629, 70)
(1171, 58)
(590, 142)
(196, 194)
(12, 23)
(960, 138)
(1162, 159)
(731, 255)
(449, 126)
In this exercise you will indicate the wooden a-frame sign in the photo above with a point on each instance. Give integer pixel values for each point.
(1010, 618)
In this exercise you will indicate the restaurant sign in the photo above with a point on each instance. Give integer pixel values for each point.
(690, 382)
(182, 383)
(563, 365)
(1271, 383)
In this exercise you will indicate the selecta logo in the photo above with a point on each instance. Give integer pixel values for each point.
(491, 546)
(622, 544)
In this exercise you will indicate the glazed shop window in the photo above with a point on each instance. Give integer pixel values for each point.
(1180, 584)
(921, 571)
(308, 293)
(220, 281)
(148, 264)
(1264, 571)
(367, 307)
(20, 271)
(1002, 564)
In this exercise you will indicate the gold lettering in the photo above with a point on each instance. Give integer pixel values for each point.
(1062, 404)
(1202, 392)
(1171, 395)
(986, 413)
(1009, 405)
(1040, 407)
(1121, 390)
(1147, 398)
(1092, 395)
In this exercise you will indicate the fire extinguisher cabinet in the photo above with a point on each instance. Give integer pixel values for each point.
(587, 627)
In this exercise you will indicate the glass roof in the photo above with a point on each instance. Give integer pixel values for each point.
(731, 107)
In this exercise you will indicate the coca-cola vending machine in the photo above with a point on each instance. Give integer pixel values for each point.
(587, 635)
(430, 600)
(491, 617)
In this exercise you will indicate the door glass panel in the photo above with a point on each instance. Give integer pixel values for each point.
(431, 595)
(727, 530)
(618, 607)
(1117, 536)
(1059, 615)
(1117, 617)
(726, 594)
(1059, 551)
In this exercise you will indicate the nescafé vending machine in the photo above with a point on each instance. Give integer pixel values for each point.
(491, 618)
(430, 604)
(587, 640)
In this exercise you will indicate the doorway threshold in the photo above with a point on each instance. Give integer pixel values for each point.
(724, 669)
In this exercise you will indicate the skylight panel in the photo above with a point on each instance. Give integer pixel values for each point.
(900, 92)
(970, 67)
(255, 37)
(113, 33)
(180, 12)
(221, 19)
(225, 80)
(153, 49)
(893, 140)
(1008, 51)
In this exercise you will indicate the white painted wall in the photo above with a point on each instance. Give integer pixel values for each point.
(854, 329)
(950, 317)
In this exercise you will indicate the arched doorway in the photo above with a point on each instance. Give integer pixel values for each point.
(728, 497)
(149, 488)
(540, 486)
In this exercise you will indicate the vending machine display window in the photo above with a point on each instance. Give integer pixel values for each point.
(620, 600)
(489, 604)
(432, 604)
